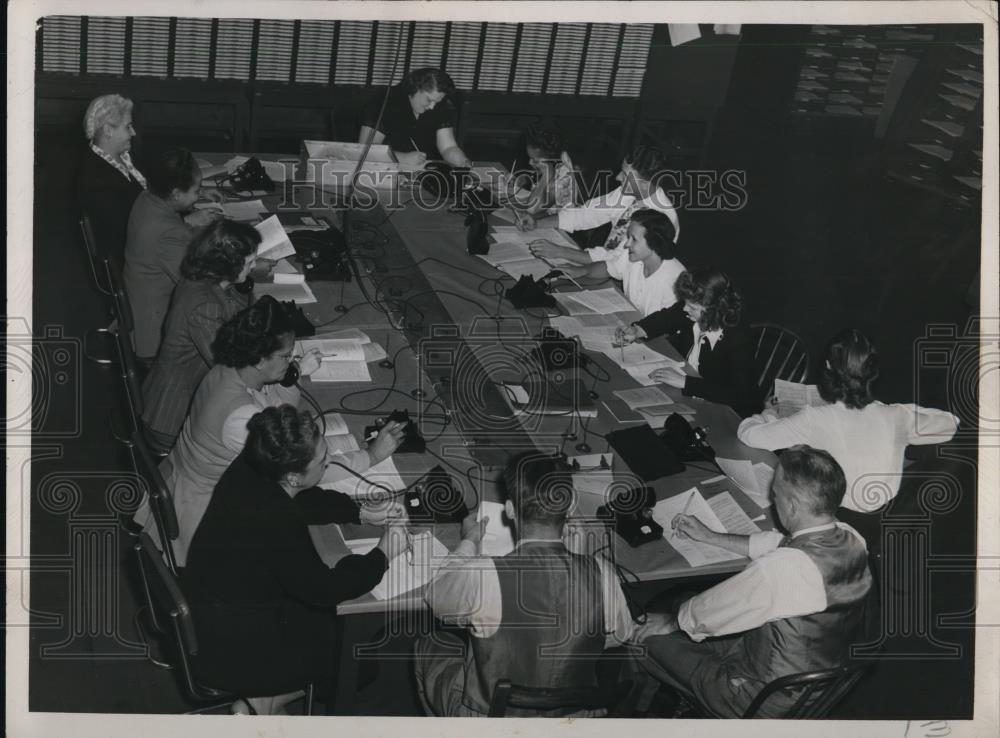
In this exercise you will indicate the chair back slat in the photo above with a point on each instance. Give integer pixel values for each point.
(778, 354)
(95, 257)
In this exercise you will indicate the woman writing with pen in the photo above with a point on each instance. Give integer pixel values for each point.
(253, 370)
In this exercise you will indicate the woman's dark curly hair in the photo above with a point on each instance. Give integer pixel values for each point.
(428, 79)
(220, 252)
(659, 230)
(647, 161)
(711, 289)
(252, 334)
(172, 170)
(549, 142)
(851, 371)
(281, 440)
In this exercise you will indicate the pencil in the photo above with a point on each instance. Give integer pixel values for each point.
(687, 505)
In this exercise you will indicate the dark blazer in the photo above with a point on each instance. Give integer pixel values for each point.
(106, 197)
(263, 601)
(727, 371)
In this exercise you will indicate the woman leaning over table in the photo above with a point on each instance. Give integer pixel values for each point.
(639, 190)
(253, 352)
(213, 290)
(160, 228)
(107, 181)
(705, 325)
(263, 600)
(867, 438)
(646, 264)
(555, 179)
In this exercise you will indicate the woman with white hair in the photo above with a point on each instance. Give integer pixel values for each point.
(107, 181)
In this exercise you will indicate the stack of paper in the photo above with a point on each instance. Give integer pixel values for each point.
(383, 474)
(516, 260)
(285, 273)
(792, 397)
(282, 292)
(339, 438)
(733, 518)
(342, 371)
(242, 210)
(754, 479)
(274, 243)
(692, 503)
(608, 300)
(413, 569)
(593, 337)
(643, 397)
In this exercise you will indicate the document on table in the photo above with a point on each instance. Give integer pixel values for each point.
(384, 474)
(731, 515)
(592, 490)
(792, 397)
(498, 538)
(344, 443)
(755, 480)
(274, 243)
(285, 273)
(638, 354)
(209, 170)
(534, 268)
(301, 293)
(656, 415)
(607, 300)
(342, 371)
(504, 251)
(333, 349)
(345, 334)
(412, 570)
(335, 424)
(242, 210)
(692, 503)
(512, 234)
(643, 397)
(506, 214)
(593, 337)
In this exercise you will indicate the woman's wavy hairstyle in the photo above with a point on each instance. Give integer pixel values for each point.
(252, 334)
(106, 110)
(219, 252)
(281, 440)
(852, 369)
(548, 141)
(172, 170)
(428, 79)
(711, 289)
(659, 230)
(647, 161)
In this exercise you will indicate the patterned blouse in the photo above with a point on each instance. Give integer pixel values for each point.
(125, 165)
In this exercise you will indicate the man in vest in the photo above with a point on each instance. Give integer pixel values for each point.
(539, 616)
(797, 607)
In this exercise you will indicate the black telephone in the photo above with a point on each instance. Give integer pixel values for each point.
(630, 514)
(291, 375)
(250, 176)
(245, 287)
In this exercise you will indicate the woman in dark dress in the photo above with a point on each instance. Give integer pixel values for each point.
(705, 326)
(215, 267)
(263, 601)
(107, 181)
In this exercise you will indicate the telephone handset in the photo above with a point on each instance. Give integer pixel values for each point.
(291, 375)
(245, 287)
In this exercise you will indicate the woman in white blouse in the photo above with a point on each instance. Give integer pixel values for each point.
(645, 265)
(866, 437)
(639, 190)
(555, 177)
(253, 353)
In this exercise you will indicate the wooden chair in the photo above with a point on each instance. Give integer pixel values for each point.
(821, 691)
(161, 502)
(95, 257)
(545, 699)
(169, 611)
(778, 354)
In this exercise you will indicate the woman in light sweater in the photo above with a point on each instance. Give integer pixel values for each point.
(865, 436)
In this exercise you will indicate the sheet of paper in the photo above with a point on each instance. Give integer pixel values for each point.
(534, 268)
(335, 424)
(694, 552)
(792, 397)
(405, 573)
(288, 277)
(593, 482)
(643, 397)
(384, 473)
(274, 243)
(764, 474)
(682, 33)
(505, 251)
(342, 444)
(731, 515)
(498, 538)
(345, 334)
(373, 352)
(301, 293)
(595, 320)
(607, 300)
(342, 371)
(209, 170)
(740, 471)
(242, 210)
(636, 354)
(506, 215)
(570, 303)
(332, 349)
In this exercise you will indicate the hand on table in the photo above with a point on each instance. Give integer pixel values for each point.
(386, 442)
(213, 194)
(657, 624)
(545, 249)
(382, 513)
(310, 362)
(688, 526)
(395, 540)
(204, 217)
(669, 376)
(625, 336)
(525, 221)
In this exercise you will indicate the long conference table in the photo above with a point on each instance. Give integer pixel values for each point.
(451, 336)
